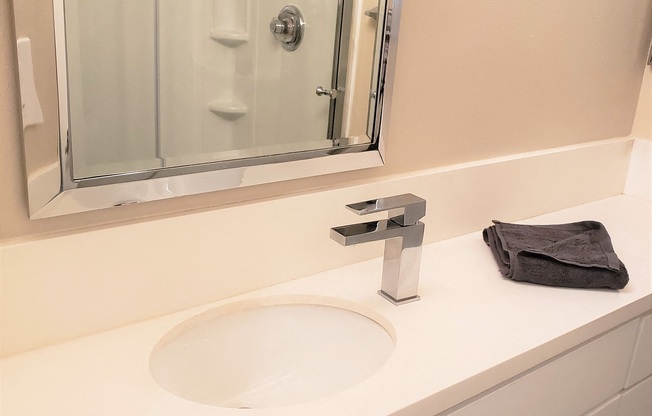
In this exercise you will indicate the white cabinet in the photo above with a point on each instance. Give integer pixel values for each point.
(609, 408)
(636, 398)
(571, 385)
(637, 401)
(642, 357)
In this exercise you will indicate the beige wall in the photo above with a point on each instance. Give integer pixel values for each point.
(643, 121)
(475, 79)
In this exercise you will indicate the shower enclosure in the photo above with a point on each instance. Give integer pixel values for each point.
(158, 83)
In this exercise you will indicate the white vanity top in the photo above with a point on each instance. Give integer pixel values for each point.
(471, 330)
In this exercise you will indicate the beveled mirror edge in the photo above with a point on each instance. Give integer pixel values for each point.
(103, 196)
(51, 191)
(394, 7)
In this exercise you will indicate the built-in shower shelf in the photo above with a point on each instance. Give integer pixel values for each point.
(229, 110)
(231, 39)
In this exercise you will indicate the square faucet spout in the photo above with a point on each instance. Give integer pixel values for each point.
(403, 235)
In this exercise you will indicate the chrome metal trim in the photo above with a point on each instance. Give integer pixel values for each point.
(405, 209)
(386, 43)
(340, 70)
(403, 236)
(399, 302)
(321, 91)
(53, 191)
(288, 27)
(249, 162)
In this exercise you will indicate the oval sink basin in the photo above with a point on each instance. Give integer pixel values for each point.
(259, 356)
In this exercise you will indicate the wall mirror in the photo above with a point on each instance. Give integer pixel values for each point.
(163, 98)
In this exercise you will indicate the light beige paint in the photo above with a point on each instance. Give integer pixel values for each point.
(643, 121)
(475, 79)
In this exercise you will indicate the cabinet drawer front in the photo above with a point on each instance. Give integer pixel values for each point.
(609, 408)
(637, 401)
(642, 359)
(570, 385)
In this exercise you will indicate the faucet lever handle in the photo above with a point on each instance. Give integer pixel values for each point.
(404, 209)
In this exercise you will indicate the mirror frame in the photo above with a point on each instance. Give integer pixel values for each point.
(53, 192)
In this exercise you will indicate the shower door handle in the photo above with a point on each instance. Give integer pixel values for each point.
(331, 93)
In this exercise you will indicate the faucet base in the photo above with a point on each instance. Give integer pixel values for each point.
(399, 302)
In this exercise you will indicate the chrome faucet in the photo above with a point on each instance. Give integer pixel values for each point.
(403, 235)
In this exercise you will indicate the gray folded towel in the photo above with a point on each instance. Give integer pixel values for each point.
(576, 255)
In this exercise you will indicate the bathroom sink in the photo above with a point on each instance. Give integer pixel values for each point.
(253, 355)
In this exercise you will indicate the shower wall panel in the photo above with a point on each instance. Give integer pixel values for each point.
(226, 84)
(112, 84)
(287, 108)
(183, 81)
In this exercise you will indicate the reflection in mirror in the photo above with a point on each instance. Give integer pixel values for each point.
(160, 98)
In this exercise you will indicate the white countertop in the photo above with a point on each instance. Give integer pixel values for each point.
(472, 330)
